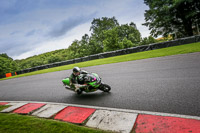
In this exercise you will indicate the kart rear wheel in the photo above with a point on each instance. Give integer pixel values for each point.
(105, 88)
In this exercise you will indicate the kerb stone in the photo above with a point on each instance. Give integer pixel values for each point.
(48, 110)
(13, 107)
(112, 120)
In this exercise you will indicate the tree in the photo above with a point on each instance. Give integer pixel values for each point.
(98, 27)
(74, 49)
(84, 46)
(177, 17)
(107, 35)
(148, 40)
(120, 37)
(127, 43)
(94, 47)
(187, 12)
(5, 56)
(7, 65)
(52, 59)
(130, 32)
(111, 41)
(35, 63)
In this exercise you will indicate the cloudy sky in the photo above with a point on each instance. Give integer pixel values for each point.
(32, 27)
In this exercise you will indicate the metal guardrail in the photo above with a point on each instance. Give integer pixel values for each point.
(153, 46)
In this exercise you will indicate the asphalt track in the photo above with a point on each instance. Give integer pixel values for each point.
(165, 84)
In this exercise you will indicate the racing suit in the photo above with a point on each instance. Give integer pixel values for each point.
(75, 79)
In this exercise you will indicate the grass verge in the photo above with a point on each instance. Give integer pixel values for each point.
(182, 49)
(2, 107)
(14, 123)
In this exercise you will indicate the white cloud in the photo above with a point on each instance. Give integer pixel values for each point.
(62, 42)
(52, 27)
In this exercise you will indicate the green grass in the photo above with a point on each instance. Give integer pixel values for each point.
(2, 107)
(14, 123)
(182, 49)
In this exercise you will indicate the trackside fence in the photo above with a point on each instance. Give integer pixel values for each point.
(153, 46)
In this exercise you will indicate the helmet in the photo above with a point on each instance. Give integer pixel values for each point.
(76, 69)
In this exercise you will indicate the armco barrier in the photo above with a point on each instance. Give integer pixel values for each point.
(172, 43)
(87, 58)
(64, 63)
(34, 69)
(55, 64)
(120, 52)
(157, 45)
(70, 62)
(197, 38)
(132, 50)
(2, 76)
(153, 46)
(187, 40)
(27, 70)
(19, 72)
(143, 48)
(93, 57)
(107, 54)
(40, 67)
(77, 60)
(49, 65)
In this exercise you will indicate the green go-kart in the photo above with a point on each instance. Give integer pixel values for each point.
(93, 83)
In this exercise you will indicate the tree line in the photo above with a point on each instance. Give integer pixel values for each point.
(7, 64)
(168, 18)
(106, 35)
(179, 18)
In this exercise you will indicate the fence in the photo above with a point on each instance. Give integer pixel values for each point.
(153, 46)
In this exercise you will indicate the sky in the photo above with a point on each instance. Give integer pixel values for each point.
(32, 27)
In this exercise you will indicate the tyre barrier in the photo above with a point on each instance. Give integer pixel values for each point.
(93, 57)
(197, 38)
(120, 52)
(77, 60)
(86, 58)
(132, 50)
(107, 54)
(8, 75)
(141, 48)
(2, 76)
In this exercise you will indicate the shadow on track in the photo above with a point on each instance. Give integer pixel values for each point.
(89, 98)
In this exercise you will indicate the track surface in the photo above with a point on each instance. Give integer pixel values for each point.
(165, 84)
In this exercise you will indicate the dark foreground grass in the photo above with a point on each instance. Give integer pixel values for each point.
(14, 123)
(2, 107)
(182, 49)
